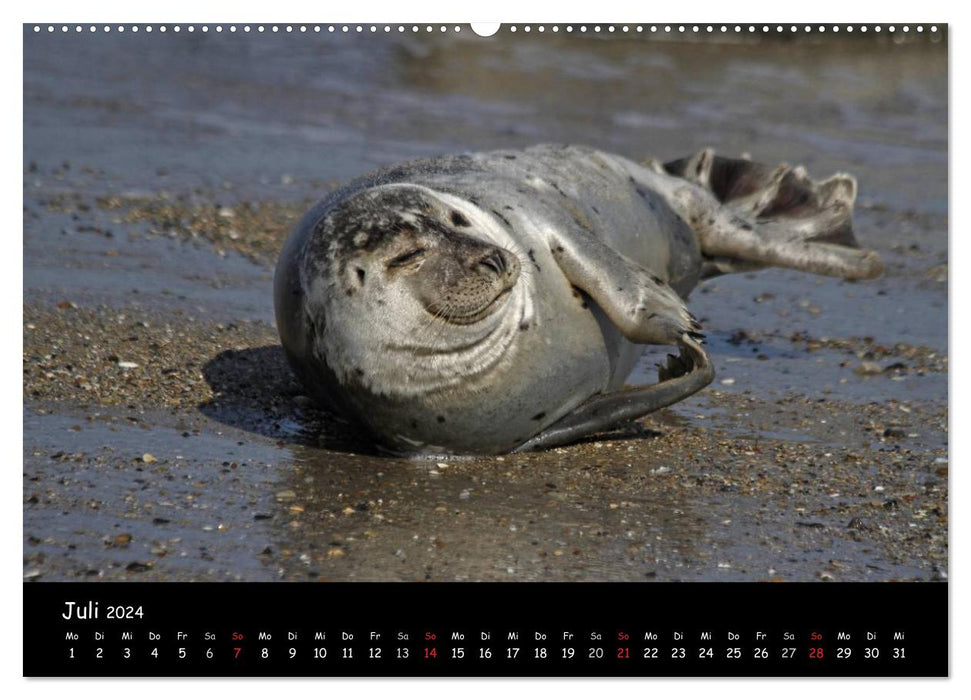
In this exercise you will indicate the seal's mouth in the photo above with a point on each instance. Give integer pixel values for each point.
(460, 318)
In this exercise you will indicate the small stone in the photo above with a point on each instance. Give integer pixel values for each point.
(149, 458)
(868, 367)
(728, 381)
(287, 495)
(127, 365)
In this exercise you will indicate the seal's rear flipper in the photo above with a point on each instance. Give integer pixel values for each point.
(684, 375)
(772, 216)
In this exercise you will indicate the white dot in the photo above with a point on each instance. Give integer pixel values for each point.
(556, 28)
(163, 28)
(77, 28)
(177, 28)
(526, 28)
(219, 28)
(512, 28)
(135, 28)
(920, 28)
(541, 29)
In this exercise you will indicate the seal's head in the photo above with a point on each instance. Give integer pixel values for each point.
(407, 292)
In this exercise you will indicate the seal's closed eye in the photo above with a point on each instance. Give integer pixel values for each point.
(406, 258)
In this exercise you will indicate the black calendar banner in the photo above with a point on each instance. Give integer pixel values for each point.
(486, 629)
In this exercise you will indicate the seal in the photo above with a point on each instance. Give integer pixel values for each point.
(493, 302)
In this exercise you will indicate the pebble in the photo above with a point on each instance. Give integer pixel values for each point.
(149, 458)
(287, 495)
(127, 365)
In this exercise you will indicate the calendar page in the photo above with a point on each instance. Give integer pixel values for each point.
(512, 350)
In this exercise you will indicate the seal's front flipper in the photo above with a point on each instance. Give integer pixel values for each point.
(641, 304)
(684, 375)
(766, 216)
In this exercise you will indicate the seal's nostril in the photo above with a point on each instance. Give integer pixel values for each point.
(495, 262)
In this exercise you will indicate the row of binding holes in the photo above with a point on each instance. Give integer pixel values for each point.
(289, 28)
(666, 29)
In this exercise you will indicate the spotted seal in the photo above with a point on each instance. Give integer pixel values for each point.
(494, 302)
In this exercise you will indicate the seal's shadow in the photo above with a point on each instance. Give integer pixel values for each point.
(254, 390)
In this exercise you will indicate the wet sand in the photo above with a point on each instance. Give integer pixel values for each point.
(165, 438)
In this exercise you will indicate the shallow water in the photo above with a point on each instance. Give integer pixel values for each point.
(223, 118)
